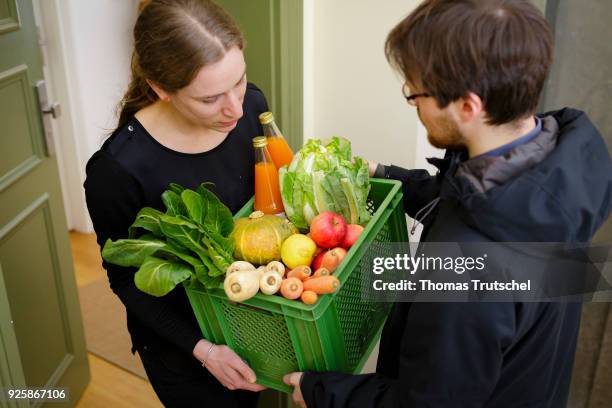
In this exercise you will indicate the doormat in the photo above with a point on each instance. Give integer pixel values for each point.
(105, 324)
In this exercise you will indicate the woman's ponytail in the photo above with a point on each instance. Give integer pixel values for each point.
(138, 95)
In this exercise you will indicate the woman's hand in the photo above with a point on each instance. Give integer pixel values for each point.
(294, 380)
(226, 366)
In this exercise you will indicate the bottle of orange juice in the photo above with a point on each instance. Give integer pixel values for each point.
(267, 190)
(277, 145)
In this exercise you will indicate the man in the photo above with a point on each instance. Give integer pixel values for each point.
(475, 70)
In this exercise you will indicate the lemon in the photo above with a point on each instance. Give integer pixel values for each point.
(297, 250)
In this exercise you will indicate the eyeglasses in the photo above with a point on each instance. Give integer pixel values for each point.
(411, 98)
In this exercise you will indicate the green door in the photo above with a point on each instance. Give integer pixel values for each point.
(274, 55)
(42, 343)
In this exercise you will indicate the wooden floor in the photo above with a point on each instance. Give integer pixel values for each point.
(110, 385)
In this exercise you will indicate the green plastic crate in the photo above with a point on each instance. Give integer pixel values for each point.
(277, 336)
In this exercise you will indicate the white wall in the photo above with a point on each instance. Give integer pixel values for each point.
(102, 44)
(88, 51)
(350, 89)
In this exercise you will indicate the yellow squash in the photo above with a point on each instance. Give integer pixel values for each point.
(259, 237)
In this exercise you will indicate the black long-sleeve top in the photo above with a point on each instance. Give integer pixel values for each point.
(131, 171)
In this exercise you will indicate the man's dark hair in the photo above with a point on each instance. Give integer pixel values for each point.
(499, 49)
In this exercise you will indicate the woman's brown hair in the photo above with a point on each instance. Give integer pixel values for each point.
(173, 40)
(499, 49)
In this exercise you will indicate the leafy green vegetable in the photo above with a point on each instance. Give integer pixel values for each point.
(148, 219)
(189, 241)
(195, 205)
(174, 204)
(217, 217)
(159, 276)
(324, 176)
(131, 252)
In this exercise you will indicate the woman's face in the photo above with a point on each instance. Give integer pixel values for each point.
(214, 98)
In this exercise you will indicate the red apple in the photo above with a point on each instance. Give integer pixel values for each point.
(327, 229)
(332, 258)
(316, 264)
(353, 231)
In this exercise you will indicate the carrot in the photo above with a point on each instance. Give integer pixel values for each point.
(332, 259)
(301, 272)
(309, 297)
(291, 288)
(320, 272)
(322, 285)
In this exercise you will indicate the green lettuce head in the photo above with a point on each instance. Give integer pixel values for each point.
(324, 176)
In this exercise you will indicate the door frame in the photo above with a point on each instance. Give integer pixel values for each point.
(288, 84)
(54, 31)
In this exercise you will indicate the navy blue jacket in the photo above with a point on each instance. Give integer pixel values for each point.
(487, 354)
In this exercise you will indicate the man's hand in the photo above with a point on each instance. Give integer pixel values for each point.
(226, 366)
(372, 167)
(293, 380)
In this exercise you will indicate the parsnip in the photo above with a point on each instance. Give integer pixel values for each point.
(241, 285)
(270, 282)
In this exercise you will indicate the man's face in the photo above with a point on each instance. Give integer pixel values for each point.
(442, 130)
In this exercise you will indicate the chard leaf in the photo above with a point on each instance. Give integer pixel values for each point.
(201, 270)
(180, 252)
(218, 259)
(158, 277)
(174, 204)
(217, 217)
(212, 270)
(194, 205)
(183, 232)
(205, 279)
(130, 252)
(148, 219)
(225, 246)
(190, 241)
(177, 188)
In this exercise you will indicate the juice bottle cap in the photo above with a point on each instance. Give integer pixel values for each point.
(260, 141)
(266, 118)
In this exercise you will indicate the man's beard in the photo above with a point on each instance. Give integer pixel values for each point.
(444, 134)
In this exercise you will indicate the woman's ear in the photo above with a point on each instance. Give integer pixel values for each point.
(161, 94)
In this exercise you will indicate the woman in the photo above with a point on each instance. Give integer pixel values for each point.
(188, 117)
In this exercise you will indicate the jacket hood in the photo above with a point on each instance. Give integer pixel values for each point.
(565, 197)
